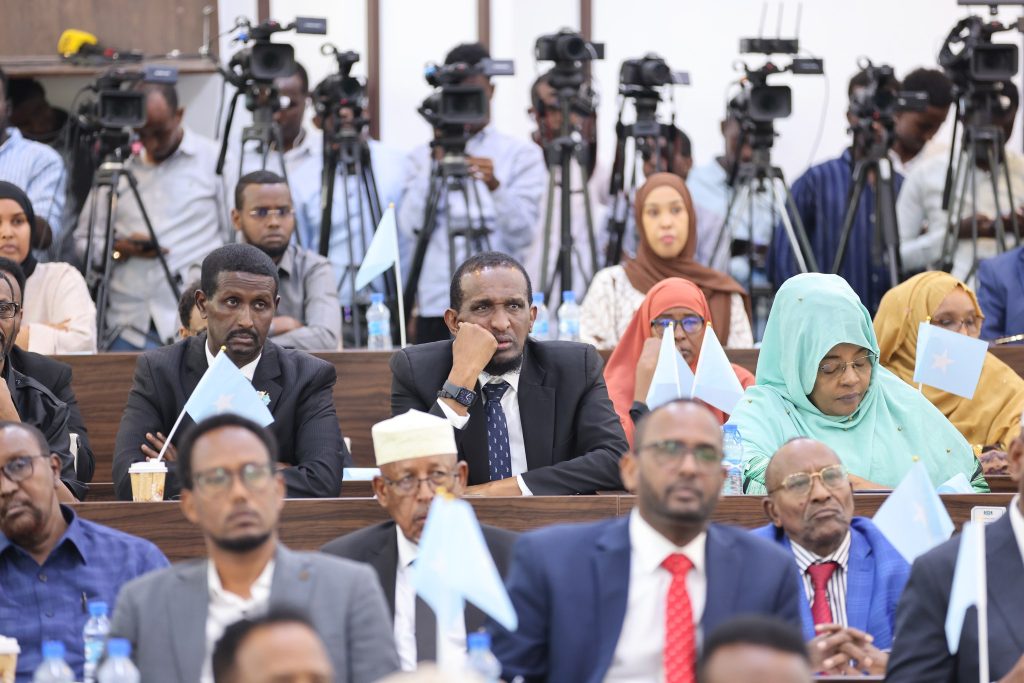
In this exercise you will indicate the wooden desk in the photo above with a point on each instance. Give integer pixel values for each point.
(308, 524)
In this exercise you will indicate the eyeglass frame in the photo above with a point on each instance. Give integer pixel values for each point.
(659, 324)
(677, 458)
(17, 307)
(414, 483)
(960, 324)
(268, 211)
(30, 458)
(198, 478)
(811, 477)
(843, 364)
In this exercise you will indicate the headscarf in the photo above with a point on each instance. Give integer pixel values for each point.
(648, 269)
(620, 372)
(893, 424)
(12, 191)
(993, 415)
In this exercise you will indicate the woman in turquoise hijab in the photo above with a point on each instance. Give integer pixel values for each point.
(818, 376)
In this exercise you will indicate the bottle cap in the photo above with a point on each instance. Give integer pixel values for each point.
(377, 298)
(568, 297)
(98, 608)
(538, 298)
(479, 640)
(119, 647)
(730, 429)
(53, 649)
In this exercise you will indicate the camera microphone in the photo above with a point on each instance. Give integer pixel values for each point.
(77, 44)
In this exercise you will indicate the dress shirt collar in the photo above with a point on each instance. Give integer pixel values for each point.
(189, 146)
(287, 264)
(74, 536)
(248, 370)
(650, 548)
(259, 591)
(481, 135)
(1017, 524)
(512, 377)
(14, 136)
(407, 550)
(805, 558)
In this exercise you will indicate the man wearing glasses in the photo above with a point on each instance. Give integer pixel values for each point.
(309, 315)
(852, 576)
(631, 598)
(416, 454)
(53, 562)
(231, 492)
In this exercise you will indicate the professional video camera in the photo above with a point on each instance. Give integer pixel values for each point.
(641, 79)
(979, 61)
(340, 90)
(569, 51)
(263, 61)
(454, 105)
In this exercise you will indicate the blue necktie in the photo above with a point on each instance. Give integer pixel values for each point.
(499, 457)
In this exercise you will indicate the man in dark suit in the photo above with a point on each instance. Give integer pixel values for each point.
(627, 598)
(238, 299)
(416, 453)
(530, 417)
(851, 576)
(920, 651)
(1001, 294)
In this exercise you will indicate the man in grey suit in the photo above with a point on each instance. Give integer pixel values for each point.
(417, 454)
(231, 492)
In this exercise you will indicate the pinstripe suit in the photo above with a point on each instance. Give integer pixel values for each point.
(876, 574)
(298, 385)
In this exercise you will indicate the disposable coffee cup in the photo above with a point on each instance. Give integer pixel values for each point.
(9, 651)
(148, 479)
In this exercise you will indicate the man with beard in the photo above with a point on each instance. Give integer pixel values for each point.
(414, 449)
(648, 586)
(53, 562)
(309, 315)
(529, 417)
(851, 575)
(238, 299)
(231, 491)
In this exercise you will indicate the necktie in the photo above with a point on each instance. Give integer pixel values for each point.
(426, 632)
(499, 457)
(820, 573)
(680, 639)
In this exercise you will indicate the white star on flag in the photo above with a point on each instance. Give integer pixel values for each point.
(224, 402)
(942, 361)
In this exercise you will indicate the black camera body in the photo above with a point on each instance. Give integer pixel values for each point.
(979, 61)
(647, 72)
(759, 102)
(566, 46)
(882, 98)
(454, 105)
(115, 107)
(264, 61)
(340, 90)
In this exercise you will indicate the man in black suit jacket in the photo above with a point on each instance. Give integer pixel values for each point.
(238, 299)
(919, 650)
(562, 434)
(416, 454)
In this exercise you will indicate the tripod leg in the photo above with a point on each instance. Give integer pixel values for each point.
(886, 221)
(1014, 224)
(794, 226)
(481, 237)
(423, 242)
(956, 212)
(993, 176)
(103, 285)
(171, 280)
(351, 269)
(734, 201)
(860, 175)
(974, 212)
(327, 178)
(591, 235)
(549, 209)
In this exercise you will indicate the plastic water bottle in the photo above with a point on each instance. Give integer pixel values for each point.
(480, 660)
(542, 324)
(569, 318)
(378, 323)
(95, 636)
(119, 667)
(53, 669)
(732, 447)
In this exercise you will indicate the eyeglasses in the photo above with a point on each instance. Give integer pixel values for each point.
(9, 309)
(254, 476)
(20, 468)
(262, 212)
(970, 324)
(861, 365)
(691, 324)
(409, 485)
(672, 452)
(799, 483)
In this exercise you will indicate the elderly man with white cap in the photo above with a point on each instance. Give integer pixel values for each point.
(416, 454)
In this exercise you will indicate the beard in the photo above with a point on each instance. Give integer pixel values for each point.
(242, 544)
(26, 530)
(500, 367)
(274, 252)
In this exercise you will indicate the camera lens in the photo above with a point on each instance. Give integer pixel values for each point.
(571, 48)
(655, 72)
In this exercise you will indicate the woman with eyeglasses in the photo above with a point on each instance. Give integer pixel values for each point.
(675, 303)
(667, 242)
(818, 376)
(990, 420)
(59, 315)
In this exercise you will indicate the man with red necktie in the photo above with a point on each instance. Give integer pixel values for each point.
(629, 599)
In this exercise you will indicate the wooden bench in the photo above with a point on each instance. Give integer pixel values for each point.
(362, 395)
(308, 524)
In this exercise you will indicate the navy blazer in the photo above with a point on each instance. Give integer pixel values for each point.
(876, 575)
(1001, 294)
(569, 584)
(919, 651)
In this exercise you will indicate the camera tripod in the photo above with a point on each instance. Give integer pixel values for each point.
(885, 243)
(560, 153)
(450, 176)
(108, 176)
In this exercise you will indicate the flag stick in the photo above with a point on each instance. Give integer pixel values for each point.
(167, 442)
(398, 286)
(982, 606)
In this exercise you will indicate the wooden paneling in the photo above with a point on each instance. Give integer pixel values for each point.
(373, 65)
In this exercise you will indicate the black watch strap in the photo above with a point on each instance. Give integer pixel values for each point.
(459, 394)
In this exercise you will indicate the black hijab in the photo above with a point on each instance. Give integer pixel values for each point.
(11, 191)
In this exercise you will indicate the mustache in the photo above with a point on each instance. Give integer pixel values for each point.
(243, 333)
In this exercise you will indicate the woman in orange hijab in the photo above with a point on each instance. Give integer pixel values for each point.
(673, 301)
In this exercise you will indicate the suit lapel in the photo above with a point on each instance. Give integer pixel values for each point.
(722, 571)
(860, 581)
(187, 613)
(611, 581)
(195, 363)
(1005, 578)
(536, 412)
(384, 560)
(292, 584)
(268, 372)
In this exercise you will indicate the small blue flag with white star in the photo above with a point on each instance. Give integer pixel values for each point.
(949, 361)
(224, 389)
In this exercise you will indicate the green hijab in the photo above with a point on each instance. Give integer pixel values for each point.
(893, 425)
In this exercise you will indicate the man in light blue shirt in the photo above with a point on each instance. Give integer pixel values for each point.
(510, 179)
(34, 167)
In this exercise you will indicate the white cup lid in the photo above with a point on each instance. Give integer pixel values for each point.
(9, 646)
(144, 466)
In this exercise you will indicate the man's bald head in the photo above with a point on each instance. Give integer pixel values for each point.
(792, 456)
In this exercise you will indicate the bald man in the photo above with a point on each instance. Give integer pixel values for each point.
(852, 576)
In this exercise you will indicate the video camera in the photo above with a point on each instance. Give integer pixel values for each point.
(881, 98)
(116, 107)
(454, 106)
(569, 51)
(340, 90)
(759, 102)
(263, 61)
(647, 73)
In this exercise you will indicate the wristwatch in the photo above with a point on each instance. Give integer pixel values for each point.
(458, 394)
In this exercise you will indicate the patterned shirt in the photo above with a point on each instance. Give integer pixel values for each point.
(49, 601)
(39, 171)
(836, 587)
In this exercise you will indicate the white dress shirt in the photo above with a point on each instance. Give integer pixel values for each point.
(248, 370)
(510, 406)
(1017, 524)
(452, 647)
(225, 608)
(639, 653)
(836, 587)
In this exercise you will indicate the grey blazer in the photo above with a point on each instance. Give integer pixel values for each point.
(163, 614)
